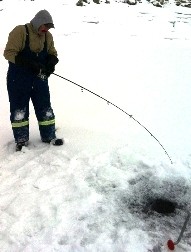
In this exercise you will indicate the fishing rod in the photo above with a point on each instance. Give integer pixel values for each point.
(109, 102)
(171, 244)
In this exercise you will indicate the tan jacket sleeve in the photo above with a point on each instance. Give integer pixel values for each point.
(50, 45)
(15, 43)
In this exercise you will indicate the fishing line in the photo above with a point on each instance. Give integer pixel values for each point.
(109, 102)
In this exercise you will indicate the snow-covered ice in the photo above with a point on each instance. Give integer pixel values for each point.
(92, 193)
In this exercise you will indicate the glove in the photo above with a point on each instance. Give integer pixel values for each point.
(37, 68)
(34, 66)
(52, 60)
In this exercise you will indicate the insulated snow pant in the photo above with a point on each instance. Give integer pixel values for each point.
(23, 85)
(21, 89)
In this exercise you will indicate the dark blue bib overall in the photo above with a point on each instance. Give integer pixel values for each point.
(23, 85)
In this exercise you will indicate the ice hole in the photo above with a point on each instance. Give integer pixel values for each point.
(163, 206)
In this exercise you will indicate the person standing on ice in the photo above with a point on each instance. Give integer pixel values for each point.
(32, 58)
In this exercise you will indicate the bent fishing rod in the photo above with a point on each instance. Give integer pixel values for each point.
(109, 102)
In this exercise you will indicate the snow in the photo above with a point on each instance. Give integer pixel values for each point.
(90, 194)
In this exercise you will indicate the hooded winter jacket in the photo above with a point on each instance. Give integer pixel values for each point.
(17, 37)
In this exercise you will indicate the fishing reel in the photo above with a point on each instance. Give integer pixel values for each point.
(42, 75)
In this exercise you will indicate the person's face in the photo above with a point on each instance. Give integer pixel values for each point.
(43, 29)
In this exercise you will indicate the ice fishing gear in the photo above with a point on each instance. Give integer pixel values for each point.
(170, 243)
(108, 102)
(42, 75)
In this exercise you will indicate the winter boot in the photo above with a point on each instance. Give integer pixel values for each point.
(55, 141)
(20, 145)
